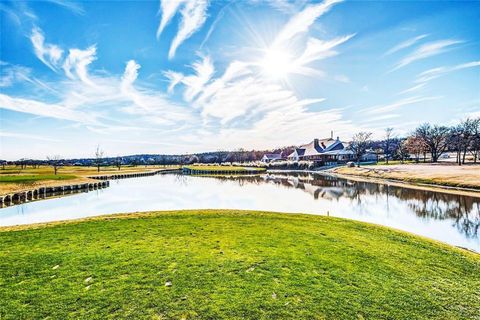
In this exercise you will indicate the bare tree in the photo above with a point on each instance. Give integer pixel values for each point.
(54, 161)
(435, 137)
(455, 142)
(475, 141)
(359, 145)
(416, 146)
(469, 129)
(98, 157)
(388, 143)
(402, 151)
(118, 162)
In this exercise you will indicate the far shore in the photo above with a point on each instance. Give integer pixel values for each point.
(439, 177)
(43, 176)
(449, 178)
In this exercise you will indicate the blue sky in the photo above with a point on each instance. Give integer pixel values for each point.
(192, 76)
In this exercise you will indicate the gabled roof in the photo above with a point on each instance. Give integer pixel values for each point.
(298, 151)
(273, 156)
(318, 146)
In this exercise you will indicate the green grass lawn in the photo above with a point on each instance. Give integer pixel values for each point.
(25, 178)
(231, 265)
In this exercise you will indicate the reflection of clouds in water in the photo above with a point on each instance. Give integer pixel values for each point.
(449, 218)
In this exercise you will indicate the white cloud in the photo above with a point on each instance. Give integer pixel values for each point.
(195, 83)
(301, 22)
(440, 71)
(194, 15)
(316, 49)
(413, 88)
(243, 104)
(74, 7)
(45, 109)
(397, 104)
(424, 77)
(130, 74)
(406, 44)
(12, 74)
(16, 135)
(426, 50)
(78, 60)
(174, 78)
(168, 9)
(49, 54)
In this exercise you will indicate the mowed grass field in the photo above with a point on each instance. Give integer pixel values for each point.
(227, 264)
(13, 179)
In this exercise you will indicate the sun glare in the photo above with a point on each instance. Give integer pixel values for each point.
(276, 63)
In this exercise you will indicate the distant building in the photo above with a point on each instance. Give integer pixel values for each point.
(323, 152)
(269, 157)
(369, 156)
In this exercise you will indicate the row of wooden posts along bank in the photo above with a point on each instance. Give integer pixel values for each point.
(47, 192)
(132, 175)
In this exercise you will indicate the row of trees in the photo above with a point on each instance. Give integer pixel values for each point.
(56, 161)
(426, 139)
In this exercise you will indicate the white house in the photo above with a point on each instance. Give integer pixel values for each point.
(323, 151)
(269, 157)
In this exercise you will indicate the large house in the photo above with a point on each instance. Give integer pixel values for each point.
(269, 157)
(323, 151)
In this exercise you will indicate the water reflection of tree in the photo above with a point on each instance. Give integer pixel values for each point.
(463, 211)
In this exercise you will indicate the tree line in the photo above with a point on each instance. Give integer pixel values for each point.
(426, 140)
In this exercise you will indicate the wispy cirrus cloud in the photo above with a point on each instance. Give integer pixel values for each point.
(11, 74)
(406, 44)
(301, 22)
(203, 71)
(49, 54)
(94, 100)
(75, 64)
(315, 50)
(16, 135)
(244, 104)
(73, 6)
(193, 13)
(77, 61)
(49, 110)
(434, 73)
(168, 9)
(398, 104)
(426, 76)
(426, 50)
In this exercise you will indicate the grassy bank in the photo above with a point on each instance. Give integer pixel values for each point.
(232, 265)
(14, 179)
(448, 175)
(26, 178)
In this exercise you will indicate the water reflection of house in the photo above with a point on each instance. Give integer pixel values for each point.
(323, 152)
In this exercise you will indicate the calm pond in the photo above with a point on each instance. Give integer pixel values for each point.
(453, 219)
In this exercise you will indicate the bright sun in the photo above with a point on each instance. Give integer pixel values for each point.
(276, 63)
